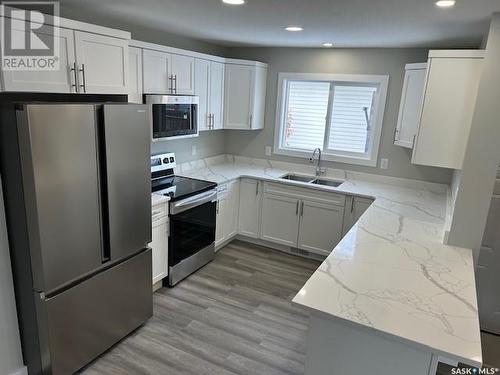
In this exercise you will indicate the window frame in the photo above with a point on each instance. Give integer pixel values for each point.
(370, 158)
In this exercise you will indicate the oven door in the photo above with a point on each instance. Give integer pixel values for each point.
(173, 120)
(192, 227)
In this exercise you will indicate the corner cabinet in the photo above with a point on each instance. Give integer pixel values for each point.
(89, 62)
(449, 101)
(244, 95)
(355, 208)
(411, 104)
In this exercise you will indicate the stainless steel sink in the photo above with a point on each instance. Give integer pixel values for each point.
(295, 177)
(332, 183)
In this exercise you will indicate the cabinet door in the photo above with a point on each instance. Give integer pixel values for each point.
(238, 96)
(280, 219)
(201, 89)
(135, 75)
(232, 210)
(320, 227)
(104, 63)
(183, 74)
(447, 110)
(221, 220)
(156, 72)
(250, 206)
(410, 107)
(216, 94)
(355, 208)
(60, 81)
(159, 246)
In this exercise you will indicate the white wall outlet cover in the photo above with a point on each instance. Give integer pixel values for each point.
(193, 150)
(384, 163)
(269, 150)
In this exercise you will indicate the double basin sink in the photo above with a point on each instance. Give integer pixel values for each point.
(312, 180)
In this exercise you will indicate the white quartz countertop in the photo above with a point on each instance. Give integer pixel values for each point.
(391, 273)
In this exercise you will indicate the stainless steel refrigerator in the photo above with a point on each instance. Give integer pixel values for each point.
(78, 202)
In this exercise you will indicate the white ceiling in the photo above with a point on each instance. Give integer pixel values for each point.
(346, 23)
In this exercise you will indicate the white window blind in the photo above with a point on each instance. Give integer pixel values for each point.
(305, 117)
(350, 118)
(340, 113)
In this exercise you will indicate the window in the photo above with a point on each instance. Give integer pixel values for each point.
(341, 114)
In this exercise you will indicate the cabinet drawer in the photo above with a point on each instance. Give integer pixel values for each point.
(159, 211)
(305, 193)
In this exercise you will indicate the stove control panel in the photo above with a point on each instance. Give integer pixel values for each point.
(161, 162)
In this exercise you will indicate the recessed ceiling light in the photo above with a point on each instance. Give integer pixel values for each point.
(294, 28)
(445, 3)
(234, 2)
(327, 44)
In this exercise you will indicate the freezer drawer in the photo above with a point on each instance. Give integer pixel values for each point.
(89, 318)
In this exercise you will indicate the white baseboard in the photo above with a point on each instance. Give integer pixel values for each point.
(20, 371)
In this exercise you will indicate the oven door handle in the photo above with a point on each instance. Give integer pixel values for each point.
(192, 202)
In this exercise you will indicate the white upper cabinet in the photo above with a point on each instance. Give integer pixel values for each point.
(411, 104)
(62, 80)
(201, 89)
(89, 62)
(182, 75)
(102, 63)
(135, 75)
(245, 93)
(166, 73)
(448, 106)
(209, 86)
(156, 72)
(216, 95)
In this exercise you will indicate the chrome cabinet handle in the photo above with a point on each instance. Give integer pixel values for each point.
(395, 134)
(302, 209)
(257, 188)
(175, 80)
(297, 209)
(213, 121)
(251, 120)
(352, 204)
(171, 83)
(75, 76)
(84, 85)
(413, 142)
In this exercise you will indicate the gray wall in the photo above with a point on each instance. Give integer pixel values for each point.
(361, 61)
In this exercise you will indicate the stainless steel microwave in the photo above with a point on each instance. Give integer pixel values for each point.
(174, 116)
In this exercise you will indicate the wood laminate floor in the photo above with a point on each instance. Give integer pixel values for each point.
(234, 316)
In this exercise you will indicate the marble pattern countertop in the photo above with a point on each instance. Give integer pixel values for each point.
(391, 273)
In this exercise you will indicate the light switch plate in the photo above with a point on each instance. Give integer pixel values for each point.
(193, 150)
(384, 163)
(269, 150)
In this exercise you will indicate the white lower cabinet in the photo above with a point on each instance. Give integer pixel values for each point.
(227, 212)
(159, 242)
(355, 207)
(250, 206)
(280, 219)
(320, 226)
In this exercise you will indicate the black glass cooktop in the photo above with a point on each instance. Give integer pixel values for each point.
(178, 187)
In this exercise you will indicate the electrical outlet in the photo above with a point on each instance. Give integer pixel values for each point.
(384, 163)
(269, 150)
(193, 150)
